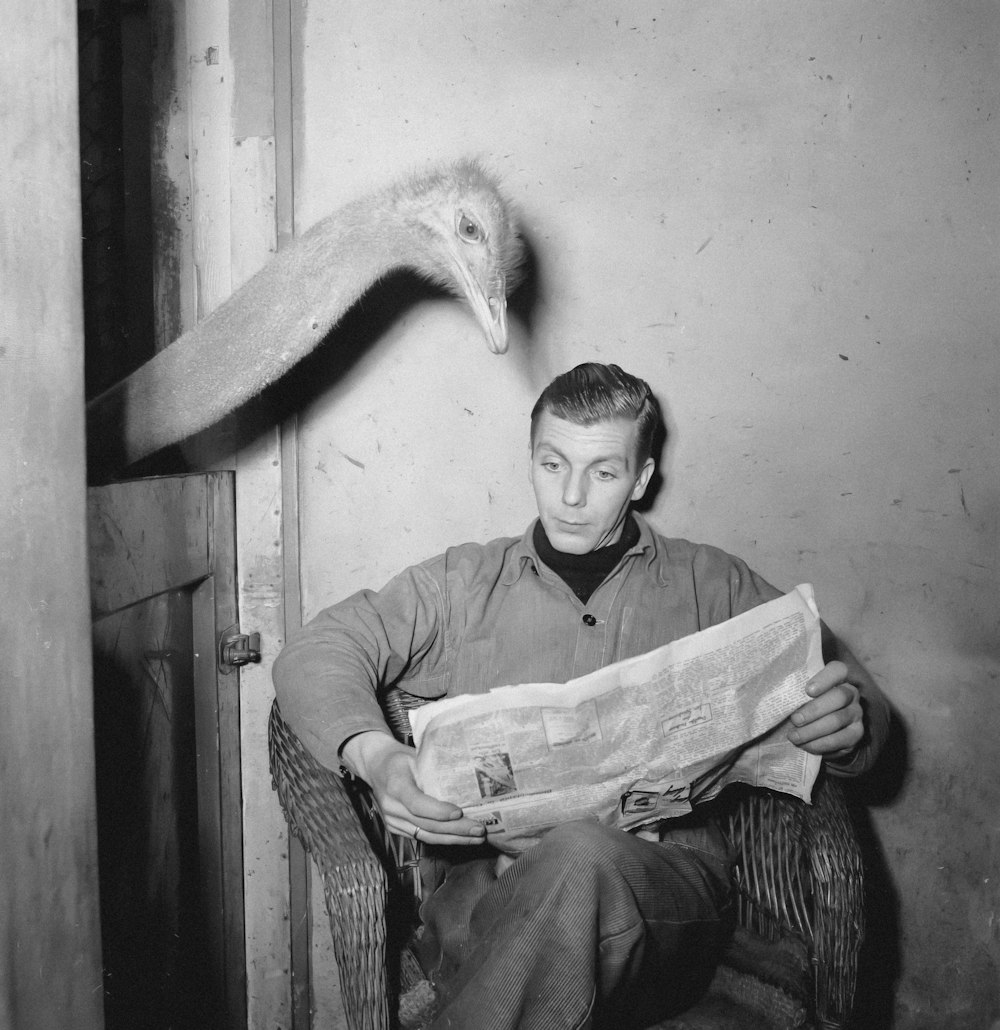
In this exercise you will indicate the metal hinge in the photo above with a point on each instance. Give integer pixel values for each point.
(236, 649)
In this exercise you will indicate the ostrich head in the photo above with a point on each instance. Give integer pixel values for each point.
(469, 239)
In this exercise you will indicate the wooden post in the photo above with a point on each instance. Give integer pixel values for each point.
(229, 109)
(50, 956)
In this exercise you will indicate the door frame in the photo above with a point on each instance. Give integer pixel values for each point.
(223, 150)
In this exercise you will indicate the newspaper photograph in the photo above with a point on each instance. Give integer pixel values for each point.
(637, 741)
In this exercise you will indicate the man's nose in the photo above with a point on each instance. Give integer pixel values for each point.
(574, 491)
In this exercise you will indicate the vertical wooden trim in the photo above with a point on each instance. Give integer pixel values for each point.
(253, 198)
(299, 884)
(50, 973)
(290, 524)
(252, 242)
(206, 735)
(300, 907)
(265, 834)
(222, 547)
(170, 172)
(210, 104)
(284, 120)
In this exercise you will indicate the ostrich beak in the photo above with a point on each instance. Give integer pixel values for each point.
(487, 296)
(495, 323)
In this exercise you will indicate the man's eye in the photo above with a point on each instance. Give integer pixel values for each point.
(605, 474)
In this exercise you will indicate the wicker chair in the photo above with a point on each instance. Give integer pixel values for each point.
(792, 962)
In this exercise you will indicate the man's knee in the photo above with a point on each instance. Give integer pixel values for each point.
(581, 844)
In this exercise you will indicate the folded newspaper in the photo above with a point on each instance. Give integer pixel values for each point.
(637, 741)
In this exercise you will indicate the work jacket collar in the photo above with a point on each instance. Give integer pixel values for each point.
(524, 556)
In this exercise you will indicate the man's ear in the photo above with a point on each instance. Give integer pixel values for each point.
(642, 480)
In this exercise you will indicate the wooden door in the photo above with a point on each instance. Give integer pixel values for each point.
(167, 746)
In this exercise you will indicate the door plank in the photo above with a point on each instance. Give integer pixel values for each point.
(142, 543)
(218, 734)
(222, 544)
(265, 835)
(157, 958)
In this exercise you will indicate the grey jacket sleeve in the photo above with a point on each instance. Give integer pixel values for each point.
(329, 674)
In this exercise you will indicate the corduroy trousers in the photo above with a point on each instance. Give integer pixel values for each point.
(590, 928)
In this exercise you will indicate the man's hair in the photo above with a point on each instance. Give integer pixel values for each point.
(592, 393)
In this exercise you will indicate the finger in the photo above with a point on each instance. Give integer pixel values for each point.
(464, 831)
(836, 732)
(840, 697)
(400, 795)
(427, 807)
(842, 742)
(403, 817)
(460, 828)
(441, 837)
(832, 674)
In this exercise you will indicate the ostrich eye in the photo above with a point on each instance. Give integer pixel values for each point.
(468, 229)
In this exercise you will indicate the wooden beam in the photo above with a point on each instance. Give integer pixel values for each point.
(50, 949)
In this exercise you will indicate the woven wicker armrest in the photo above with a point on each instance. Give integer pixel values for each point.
(321, 814)
(799, 877)
(837, 876)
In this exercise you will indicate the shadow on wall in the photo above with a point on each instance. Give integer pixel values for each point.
(881, 953)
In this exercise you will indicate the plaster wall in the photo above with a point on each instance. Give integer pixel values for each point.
(785, 217)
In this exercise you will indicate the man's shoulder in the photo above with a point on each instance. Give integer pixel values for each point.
(474, 558)
(723, 583)
(700, 554)
(709, 568)
(674, 551)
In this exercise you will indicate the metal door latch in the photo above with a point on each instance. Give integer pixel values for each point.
(236, 649)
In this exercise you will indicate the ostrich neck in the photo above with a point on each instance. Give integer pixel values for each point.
(263, 329)
(364, 241)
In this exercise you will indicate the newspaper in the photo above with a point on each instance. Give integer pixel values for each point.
(637, 741)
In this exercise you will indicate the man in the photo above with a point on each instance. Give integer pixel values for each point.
(590, 926)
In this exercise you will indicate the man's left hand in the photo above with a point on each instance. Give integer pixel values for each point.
(832, 723)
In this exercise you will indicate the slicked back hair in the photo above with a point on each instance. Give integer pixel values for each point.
(592, 393)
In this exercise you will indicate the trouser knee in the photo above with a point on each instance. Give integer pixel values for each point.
(580, 840)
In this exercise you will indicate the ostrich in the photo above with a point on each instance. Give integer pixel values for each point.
(452, 226)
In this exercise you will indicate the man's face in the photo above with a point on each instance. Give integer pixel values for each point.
(584, 478)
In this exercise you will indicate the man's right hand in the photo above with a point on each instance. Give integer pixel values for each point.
(389, 768)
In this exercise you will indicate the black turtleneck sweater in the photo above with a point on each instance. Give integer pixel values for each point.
(584, 573)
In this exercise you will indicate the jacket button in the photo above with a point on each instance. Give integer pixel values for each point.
(589, 620)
